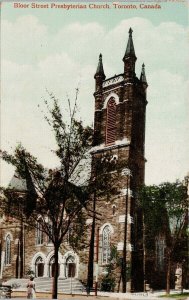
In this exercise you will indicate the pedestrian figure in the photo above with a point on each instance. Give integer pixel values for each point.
(31, 288)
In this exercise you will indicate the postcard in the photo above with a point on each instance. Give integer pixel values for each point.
(98, 50)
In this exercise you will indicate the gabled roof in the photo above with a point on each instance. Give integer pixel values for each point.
(17, 183)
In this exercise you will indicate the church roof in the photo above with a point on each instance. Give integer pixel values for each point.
(17, 183)
(79, 178)
(130, 51)
(82, 173)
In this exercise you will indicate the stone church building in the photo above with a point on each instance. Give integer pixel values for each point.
(119, 135)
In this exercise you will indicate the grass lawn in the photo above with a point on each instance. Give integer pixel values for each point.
(177, 296)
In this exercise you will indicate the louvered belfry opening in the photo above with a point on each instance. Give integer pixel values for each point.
(111, 122)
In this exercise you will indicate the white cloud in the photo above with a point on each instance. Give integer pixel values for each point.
(34, 59)
(81, 41)
(25, 40)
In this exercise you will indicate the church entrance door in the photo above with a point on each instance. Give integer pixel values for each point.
(40, 270)
(70, 266)
(71, 269)
(52, 267)
(39, 267)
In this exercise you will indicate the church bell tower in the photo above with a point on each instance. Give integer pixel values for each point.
(119, 133)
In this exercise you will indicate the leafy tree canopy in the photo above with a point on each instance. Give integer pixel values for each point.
(164, 204)
(51, 197)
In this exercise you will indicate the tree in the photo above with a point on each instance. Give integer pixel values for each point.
(165, 210)
(175, 196)
(52, 196)
(108, 281)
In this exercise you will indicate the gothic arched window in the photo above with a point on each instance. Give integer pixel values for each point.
(111, 122)
(106, 244)
(160, 252)
(8, 250)
(39, 233)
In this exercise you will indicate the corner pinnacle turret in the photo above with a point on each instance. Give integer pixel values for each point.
(100, 69)
(99, 75)
(143, 75)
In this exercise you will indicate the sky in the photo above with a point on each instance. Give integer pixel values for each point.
(57, 50)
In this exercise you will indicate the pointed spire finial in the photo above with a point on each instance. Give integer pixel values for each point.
(130, 32)
(130, 51)
(100, 69)
(143, 75)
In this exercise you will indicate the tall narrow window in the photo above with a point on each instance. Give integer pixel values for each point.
(69, 234)
(160, 252)
(111, 122)
(106, 245)
(39, 234)
(113, 210)
(50, 235)
(8, 250)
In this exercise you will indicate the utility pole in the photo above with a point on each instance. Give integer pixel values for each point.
(97, 252)
(144, 252)
(91, 249)
(126, 172)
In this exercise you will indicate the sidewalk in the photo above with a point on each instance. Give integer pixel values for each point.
(141, 295)
(101, 296)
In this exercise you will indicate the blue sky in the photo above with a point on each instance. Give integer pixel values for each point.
(58, 50)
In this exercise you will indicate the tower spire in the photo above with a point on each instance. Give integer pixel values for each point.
(143, 74)
(129, 59)
(130, 50)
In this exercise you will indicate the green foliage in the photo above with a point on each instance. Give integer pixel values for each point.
(29, 272)
(77, 232)
(165, 207)
(179, 296)
(165, 213)
(106, 172)
(108, 283)
(20, 158)
(53, 195)
(115, 261)
(73, 139)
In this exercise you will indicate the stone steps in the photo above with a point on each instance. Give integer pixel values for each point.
(67, 286)
(64, 285)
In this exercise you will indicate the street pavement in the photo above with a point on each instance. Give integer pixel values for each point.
(103, 296)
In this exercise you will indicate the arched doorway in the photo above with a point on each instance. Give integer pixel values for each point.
(71, 266)
(52, 267)
(39, 267)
